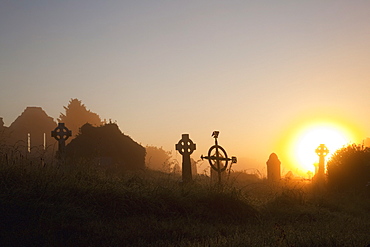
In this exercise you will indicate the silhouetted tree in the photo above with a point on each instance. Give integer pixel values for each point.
(349, 168)
(158, 159)
(77, 115)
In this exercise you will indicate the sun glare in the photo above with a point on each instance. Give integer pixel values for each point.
(309, 138)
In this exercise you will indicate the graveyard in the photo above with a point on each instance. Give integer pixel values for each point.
(94, 188)
(184, 123)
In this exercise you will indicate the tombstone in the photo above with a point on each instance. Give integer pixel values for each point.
(61, 134)
(321, 151)
(3, 129)
(273, 168)
(186, 147)
(1, 124)
(217, 158)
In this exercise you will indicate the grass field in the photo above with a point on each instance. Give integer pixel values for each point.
(82, 206)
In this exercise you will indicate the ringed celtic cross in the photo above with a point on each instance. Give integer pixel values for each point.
(321, 151)
(186, 147)
(217, 157)
(61, 134)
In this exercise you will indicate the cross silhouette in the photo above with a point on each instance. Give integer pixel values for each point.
(61, 134)
(186, 147)
(321, 151)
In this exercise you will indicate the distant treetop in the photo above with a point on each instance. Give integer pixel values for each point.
(76, 115)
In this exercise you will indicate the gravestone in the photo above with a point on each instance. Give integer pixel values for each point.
(186, 147)
(321, 151)
(217, 158)
(61, 134)
(1, 124)
(273, 168)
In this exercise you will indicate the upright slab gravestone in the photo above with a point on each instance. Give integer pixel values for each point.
(186, 147)
(273, 168)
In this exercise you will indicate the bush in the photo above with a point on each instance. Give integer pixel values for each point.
(349, 169)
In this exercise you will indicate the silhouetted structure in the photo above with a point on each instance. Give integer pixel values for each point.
(107, 146)
(186, 147)
(273, 168)
(76, 115)
(61, 134)
(3, 131)
(217, 158)
(29, 131)
(1, 124)
(321, 151)
(3, 137)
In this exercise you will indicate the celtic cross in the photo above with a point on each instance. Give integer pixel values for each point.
(186, 147)
(61, 134)
(217, 157)
(321, 151)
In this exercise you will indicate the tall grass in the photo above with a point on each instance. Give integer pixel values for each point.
(82, 205)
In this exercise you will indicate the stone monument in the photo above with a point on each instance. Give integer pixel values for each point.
(273, 168)
(61, 134)
(321, 151)
(217, 157)
(186, 147)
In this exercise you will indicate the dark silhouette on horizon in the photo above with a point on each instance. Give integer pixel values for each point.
(76, 115)
(31, 130)
(61, 134)
(273, 168)
(107, 146)
(322, 151)
(186, 147)
(218, 160)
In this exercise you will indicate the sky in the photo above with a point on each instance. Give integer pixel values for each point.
(254, 70)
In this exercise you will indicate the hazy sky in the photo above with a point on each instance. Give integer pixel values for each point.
(162, 68)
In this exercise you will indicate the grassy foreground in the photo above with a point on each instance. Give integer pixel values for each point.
(69, 206)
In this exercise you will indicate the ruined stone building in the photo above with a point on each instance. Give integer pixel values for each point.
(106, 146)
(31, 131)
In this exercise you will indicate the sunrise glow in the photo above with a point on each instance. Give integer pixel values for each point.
(297, 144)
(311, 137)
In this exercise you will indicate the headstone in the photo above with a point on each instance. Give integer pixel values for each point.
(321, 151)
(61, 134)
(1, 124)
(217, 158)
(186, 147)
(273, 168)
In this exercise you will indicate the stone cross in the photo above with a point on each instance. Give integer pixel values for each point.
(217, 157)
(321, 151)
(61, 134)
(186, 147)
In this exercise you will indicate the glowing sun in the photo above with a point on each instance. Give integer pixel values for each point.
(311, 137)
